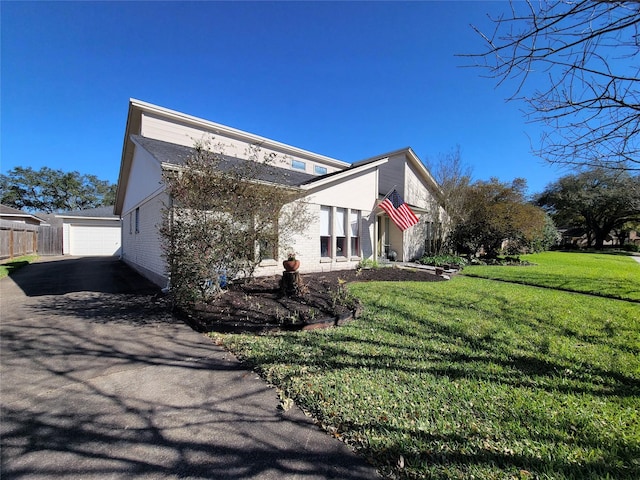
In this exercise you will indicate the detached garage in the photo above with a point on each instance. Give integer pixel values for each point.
(93, 232)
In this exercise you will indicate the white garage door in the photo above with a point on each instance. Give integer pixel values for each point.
(94, 240)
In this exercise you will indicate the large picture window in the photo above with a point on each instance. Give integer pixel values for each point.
(325, 231)
(339, 233)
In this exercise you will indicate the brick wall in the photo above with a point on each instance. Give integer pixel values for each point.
(307, 248)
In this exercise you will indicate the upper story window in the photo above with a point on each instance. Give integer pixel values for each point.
(320, 170)
(298, 164)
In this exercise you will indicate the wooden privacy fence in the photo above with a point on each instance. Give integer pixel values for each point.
(49, 240)
(18, 239)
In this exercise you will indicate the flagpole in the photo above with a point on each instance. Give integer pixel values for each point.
(388, 193)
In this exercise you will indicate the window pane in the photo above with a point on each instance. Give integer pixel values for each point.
(355, 247)
(341, 246)
(355, 224)
(341, 214)
(354, 230)
(267, 249)
(325, 246)
(325, 221)
(320, 170)
(298, 165)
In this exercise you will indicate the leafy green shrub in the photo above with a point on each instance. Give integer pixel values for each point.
(441, 260)
(367, 263)
(631, 247)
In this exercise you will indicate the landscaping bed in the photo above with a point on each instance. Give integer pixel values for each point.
(323, 301)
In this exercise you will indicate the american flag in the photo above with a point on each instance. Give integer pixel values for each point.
(399, 211)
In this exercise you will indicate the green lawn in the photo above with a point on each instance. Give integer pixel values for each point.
(471, 378)
(616, 276)
(9, 266)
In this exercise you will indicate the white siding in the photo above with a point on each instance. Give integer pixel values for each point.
(414, 240)
(357, 191)
(145, 179)
(416, 192)
(392, 175)
(143, 249)
(307, 247)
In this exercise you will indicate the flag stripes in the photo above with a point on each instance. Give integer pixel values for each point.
(399, 211)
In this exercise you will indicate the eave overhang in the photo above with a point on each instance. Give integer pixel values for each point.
(342, 174)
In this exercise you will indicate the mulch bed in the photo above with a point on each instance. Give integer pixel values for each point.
(260, 306)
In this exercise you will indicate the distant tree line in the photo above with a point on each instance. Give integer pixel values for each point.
(597, 201)
(48, 190)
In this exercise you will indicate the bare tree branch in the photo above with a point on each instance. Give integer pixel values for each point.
(589, 53)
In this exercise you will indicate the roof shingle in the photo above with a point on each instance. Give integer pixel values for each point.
(170, 153)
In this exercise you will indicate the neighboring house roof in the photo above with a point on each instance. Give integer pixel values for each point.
(172, 155)
(102, 213)
(10, 213)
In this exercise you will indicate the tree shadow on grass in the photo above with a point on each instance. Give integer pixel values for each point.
(451, 455)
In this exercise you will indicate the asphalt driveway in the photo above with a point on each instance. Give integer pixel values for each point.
(99, 382)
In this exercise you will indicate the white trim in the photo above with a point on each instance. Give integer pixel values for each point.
(332, 177)
(23, 215)
(79, 217)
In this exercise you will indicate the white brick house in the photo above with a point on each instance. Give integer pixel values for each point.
(342, 197)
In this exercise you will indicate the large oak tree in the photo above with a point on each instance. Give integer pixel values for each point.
(48, 190)
(597, 200)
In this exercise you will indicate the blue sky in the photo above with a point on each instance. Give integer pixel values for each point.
(346, 80)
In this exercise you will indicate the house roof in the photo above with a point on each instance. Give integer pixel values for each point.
(9, 212)
(98, 212)
(172, 155)
(138, 108)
